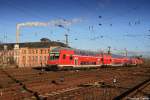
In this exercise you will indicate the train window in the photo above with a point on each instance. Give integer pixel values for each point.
(110, 60)
(82, 63)
(54, 56)
(64, 56)
(51, 57)
(71, 57)
(102, 59)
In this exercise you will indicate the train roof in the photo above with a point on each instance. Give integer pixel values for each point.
(87, 52)
(116, 56)
(57, 49)
(77, 51)
(120, 56)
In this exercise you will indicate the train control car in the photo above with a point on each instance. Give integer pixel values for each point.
(72, 58)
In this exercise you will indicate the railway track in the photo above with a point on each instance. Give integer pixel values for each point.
(39, 85)
(132, 91)
(23, 86)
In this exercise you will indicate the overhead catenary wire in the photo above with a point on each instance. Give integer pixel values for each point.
(121, 15)
(23, 10)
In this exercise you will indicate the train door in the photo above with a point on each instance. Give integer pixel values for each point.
(76, 61)
(98, 61)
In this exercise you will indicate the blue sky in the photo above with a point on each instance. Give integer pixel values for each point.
(116, 23)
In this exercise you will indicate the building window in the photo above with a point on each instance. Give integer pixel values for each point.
(36, 58)
(40, 58)
(33, 58)
(24, 51)
(29, 51)
(45, 58)
(36, 51)
(29, 58)
(32, 51)
(23, 58)
(18, 52)
(41, 51)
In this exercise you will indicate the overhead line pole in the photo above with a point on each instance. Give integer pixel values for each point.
(66, 39)
(126, 52)
(109, 47)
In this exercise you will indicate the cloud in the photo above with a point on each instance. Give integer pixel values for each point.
(57, 22)
(64, 22)
(103, 3)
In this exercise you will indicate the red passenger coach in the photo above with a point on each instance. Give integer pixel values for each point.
(136, 61)
(72, 58)
(106, 59)
(118, 60)
(65, 58)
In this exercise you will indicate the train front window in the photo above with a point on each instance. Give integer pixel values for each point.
(54, 55)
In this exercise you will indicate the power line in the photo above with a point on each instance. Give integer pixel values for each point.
(23, 11)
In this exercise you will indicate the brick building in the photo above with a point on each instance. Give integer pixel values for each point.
(31, 54)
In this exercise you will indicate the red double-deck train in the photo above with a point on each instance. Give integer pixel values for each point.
(61, 57)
